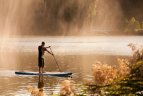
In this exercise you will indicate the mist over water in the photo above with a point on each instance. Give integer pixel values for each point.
(78, 17)
(59, 17)
(13, 15)
(55, 18)
(70, 27)
(51, 17)
(109, 16)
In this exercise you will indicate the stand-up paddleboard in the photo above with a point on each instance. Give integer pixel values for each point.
(45, 73)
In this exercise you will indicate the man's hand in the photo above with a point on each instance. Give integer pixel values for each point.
(52, 54)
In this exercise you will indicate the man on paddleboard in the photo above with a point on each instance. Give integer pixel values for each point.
(41, 51)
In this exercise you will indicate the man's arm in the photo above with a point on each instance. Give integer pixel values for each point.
(48, 47)
(49, 52)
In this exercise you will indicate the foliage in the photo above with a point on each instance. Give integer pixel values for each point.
(125, 79)
(67, 88)
(133, 25)
(105, 74)
(136, 60)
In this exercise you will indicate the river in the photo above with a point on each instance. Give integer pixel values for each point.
(74, 54)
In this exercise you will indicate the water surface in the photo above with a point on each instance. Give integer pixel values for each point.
(74, 54)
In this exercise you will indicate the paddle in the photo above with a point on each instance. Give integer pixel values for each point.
(55, 59)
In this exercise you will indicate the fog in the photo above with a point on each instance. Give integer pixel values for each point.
(66, 17)
(63, 18)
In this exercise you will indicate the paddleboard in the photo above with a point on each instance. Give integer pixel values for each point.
(45, 73)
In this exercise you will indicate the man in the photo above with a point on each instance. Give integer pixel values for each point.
(41, 51)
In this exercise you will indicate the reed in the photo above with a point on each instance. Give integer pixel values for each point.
(67, 88)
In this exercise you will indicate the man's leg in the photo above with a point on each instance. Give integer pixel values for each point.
(43, 65)
(39, 64)
(42, 70)
(39, 69)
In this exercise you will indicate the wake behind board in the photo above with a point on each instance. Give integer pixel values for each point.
(45, 73)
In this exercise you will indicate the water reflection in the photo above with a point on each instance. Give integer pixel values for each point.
(65, 86)
(40, 85)
(39, 91)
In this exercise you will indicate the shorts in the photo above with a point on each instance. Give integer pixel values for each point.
(41, 62)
